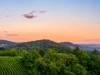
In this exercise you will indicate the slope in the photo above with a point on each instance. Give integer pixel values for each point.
(11, 66)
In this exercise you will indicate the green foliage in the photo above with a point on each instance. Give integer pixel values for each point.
(68, 73)
(51, 60)
(96, 52)
(79, 69)
(94, 63)
(77, 51)
(52, 63)
(11, 52)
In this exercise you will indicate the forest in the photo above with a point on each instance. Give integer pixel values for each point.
(51, 61)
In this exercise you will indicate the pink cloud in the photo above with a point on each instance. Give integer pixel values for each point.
(29, 16)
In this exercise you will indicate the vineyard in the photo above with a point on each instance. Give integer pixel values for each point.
(11, 66)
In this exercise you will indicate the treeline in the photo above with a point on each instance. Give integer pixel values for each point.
(51, 62)
(11, 52)
(57, 62)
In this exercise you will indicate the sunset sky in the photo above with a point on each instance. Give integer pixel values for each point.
(76, 21)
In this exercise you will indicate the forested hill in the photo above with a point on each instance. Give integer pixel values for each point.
(44, 44)
(41, 44)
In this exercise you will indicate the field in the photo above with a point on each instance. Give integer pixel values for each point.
(11, 66)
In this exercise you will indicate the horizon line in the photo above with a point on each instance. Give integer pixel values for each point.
(50, 40)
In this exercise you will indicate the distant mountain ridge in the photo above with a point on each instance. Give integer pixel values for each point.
(6, 42)
(47, 44)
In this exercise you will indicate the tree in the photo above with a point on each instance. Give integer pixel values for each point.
(96, 52)
(79, 70)
(77, 51)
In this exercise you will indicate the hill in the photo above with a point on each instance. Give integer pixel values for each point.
(69, 44)
(87, 47)
(11, 66)
(41, 44)
(6, 43)
(44, 44)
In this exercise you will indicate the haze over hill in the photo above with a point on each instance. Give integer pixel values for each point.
(87, 47)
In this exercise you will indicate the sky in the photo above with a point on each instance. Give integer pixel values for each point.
(76, 21)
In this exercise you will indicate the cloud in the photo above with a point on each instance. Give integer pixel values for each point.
(29, 16)
(12, 35)
(43, 11)
(33, 12)
(5, 31)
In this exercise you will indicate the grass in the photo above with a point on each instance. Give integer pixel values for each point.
(11, 66)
